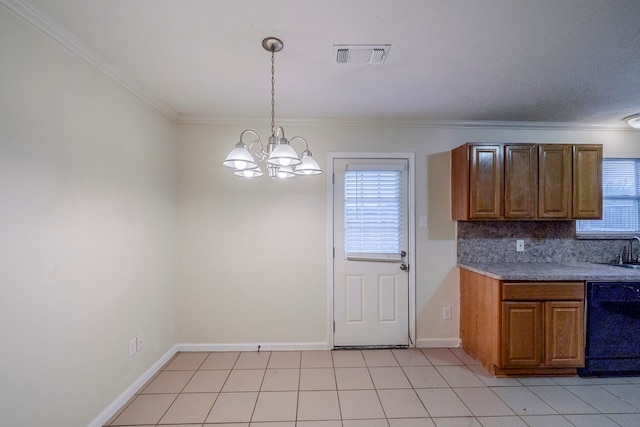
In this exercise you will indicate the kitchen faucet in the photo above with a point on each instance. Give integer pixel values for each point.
(631, 248)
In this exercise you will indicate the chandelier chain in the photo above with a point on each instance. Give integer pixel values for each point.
(273, 91)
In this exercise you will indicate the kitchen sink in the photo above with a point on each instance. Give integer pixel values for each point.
(633, 265)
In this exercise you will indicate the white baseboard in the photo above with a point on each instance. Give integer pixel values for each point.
(438, 342)
(133, 388)
(289, 346)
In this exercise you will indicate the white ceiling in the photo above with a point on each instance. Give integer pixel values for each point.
(575, 61)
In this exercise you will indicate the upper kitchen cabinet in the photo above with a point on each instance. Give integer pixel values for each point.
(587, 176)
(477, 180)
(520, 181)
(554, 185)
(526, 182)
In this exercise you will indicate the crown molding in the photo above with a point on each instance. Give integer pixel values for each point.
(405, 123)
(42, 22)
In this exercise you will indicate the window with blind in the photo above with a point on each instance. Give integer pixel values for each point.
(620, 200)
(375, 212)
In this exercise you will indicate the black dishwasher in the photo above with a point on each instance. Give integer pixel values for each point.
(612, 329)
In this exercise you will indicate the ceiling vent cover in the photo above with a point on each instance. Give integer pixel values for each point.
(361, 53)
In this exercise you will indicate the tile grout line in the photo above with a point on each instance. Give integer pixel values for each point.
(335, 378)
(452, 388)
(298, 390)
(221, 386)
(185, 386)
(411, 384)
(375, 388)
(264, 374)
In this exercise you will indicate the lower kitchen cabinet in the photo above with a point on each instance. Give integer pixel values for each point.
(522, 334)
(522, 328)
(546, 334)
(564, 336)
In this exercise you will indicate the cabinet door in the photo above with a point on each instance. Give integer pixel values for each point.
(564, 337)
(554, 181)
(522, 340)
(485, 182)
(587, 182)
(520, 181)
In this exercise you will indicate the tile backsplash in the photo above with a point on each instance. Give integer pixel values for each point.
(544, 241)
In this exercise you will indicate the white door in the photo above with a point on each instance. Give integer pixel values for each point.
(371, 281)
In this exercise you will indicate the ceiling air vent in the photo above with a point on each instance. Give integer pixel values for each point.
(361, 53)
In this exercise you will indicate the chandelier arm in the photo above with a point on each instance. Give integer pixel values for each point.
(279, 132)
(306, 144)
(258, 151)
(250, 131)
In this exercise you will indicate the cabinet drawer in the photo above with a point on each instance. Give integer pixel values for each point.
(543, 291)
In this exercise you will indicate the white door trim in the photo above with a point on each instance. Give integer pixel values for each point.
(412, 234)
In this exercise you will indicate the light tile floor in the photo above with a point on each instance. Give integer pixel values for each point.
(369, 388)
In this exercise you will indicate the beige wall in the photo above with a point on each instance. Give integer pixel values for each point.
(253, 253)
(87, 233)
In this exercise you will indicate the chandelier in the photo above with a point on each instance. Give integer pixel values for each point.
(278, 158)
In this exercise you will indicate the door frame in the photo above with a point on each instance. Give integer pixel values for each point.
(411, 179)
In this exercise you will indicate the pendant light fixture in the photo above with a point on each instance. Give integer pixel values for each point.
(279, 158)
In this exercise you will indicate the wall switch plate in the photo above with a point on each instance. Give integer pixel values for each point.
(519, 245)
(139, 342)
(132, 347)
(446, 313)
(423, 222)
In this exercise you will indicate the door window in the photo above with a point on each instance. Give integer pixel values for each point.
(375, 212)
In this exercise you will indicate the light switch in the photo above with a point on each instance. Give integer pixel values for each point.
(423, 222)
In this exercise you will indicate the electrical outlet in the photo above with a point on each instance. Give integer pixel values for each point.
(519, 245)
(446, 313)
(139, 342)
(132, 347)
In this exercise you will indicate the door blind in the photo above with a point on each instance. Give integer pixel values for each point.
(375, 212)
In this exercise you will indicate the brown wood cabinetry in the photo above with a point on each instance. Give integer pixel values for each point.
(520, 181)
(522, 328)
(554, 185)
(485, 178)
(526, 181)
(522, 334)
(478, 180)
(564, 340)
(587, 175)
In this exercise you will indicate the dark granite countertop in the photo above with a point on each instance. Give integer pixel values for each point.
(541, 271)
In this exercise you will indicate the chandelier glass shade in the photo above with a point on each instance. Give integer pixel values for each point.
(278, 158)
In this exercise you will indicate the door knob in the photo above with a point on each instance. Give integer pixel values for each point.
(404, 267)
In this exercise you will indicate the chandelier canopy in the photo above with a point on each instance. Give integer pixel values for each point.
(278, 158)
